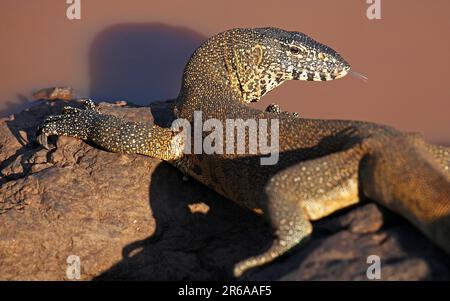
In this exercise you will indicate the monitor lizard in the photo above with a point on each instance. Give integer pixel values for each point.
(324, 165)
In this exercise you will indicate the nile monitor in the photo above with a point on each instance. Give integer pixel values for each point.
(323, 166)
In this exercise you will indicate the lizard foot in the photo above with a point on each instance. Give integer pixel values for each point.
(72, 122)
(288, 219)
(275, 108)
(290, 230)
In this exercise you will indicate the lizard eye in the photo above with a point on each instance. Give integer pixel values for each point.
(295, 50)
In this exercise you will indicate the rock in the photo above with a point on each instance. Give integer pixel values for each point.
(120, 103)
(62, 93)
(133, 217)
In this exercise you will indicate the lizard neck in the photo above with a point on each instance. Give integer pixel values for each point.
(208, 75)
(224, 71)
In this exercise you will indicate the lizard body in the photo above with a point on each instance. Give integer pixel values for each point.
(324, 165)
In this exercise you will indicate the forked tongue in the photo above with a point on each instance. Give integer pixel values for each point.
(358, 76)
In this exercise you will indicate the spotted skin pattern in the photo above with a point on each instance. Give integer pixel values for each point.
(324, 165)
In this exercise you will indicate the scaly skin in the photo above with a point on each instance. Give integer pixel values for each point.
(324, 165)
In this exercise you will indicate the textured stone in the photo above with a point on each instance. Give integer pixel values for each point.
(64, 93)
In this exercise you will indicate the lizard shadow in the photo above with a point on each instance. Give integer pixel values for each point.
(200, 235)
(140, 62)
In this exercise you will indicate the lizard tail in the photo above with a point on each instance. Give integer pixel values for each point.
(404, 176)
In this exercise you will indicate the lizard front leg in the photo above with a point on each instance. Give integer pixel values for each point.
(304, 192)
(113, 133)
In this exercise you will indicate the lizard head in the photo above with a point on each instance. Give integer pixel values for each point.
(273, 55)
(299, 57)
(249, 62)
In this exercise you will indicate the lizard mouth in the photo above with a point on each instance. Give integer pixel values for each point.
(325, 75)
(359, 76)
(341, 72)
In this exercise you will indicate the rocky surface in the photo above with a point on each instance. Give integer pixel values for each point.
(133, 217)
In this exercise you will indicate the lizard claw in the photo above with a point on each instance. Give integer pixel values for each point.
(43, 132)
(89, 104)
(42, 139)
(274, 108)
(72, 122)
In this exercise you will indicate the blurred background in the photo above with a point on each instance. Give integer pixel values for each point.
(135, 50)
